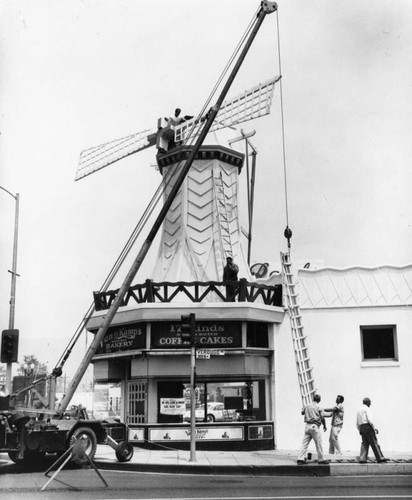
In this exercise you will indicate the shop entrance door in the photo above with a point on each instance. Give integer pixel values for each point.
(136, 397)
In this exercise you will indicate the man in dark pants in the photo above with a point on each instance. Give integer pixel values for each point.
(230, 273)
(366, 429)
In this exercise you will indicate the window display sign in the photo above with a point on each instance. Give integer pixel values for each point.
(202, 434)
(136, 434)
(124, 338)
(209, 335)
(172, 406)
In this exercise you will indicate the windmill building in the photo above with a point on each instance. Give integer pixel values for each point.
(254, 357)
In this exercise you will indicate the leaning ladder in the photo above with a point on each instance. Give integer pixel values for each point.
(223, 216)
(303, 366)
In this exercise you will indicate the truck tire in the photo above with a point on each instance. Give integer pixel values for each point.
(124, 451)
(87, 434)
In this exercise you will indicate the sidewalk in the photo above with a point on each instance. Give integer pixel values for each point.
(255, 463)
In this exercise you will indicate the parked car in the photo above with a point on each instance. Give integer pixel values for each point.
(215, 413)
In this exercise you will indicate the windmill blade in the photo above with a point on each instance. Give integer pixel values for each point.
(252, 103)
(97, 157)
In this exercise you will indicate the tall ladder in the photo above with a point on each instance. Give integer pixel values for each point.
(303, 366)
(223, 216)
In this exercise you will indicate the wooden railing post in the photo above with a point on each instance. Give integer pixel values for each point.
(149, 290)
(242, 290)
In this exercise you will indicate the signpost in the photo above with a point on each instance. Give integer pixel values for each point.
(188, 326)
(13, 284)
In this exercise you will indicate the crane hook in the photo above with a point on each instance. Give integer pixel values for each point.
(288, 235)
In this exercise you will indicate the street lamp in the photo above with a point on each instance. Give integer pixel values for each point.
(13, 281)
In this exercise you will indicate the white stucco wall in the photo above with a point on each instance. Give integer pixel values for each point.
(335, 349)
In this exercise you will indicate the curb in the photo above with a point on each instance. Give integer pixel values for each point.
(309, 470)
(215, 470)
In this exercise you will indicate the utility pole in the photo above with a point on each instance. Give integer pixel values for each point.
(13, 282)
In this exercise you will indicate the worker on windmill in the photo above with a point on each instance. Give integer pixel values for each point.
(176, 119)
(166, 136)
(230, 272)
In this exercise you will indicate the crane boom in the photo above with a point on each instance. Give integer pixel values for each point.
(266, 8)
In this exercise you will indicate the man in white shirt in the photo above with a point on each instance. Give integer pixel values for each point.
(366, 428)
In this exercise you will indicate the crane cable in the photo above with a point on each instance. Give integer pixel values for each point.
(288, 232)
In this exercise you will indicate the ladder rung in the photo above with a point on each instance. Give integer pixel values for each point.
(302, 369)
(307, 381)
(302, 337)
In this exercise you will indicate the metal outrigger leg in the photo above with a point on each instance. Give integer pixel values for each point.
(76, 453)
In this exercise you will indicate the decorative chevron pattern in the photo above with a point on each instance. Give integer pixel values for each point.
(192, 246)
(355, 287)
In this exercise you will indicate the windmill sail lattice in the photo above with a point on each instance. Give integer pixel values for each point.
(252, 103)
(101, 156)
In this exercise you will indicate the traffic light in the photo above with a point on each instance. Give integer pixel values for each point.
(187, 331)
(9, 346)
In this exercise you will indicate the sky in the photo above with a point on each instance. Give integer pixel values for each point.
(77, 73)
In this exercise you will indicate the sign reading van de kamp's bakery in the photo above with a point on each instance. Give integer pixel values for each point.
(124, 338)
(208, 334)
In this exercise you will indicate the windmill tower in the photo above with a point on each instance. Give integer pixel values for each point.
(202, 226)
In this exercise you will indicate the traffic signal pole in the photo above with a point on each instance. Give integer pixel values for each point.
(188, 334)
(13, 282)
(193, 403)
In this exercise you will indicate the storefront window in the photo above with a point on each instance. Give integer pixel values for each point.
(106, 401)
(227, 401)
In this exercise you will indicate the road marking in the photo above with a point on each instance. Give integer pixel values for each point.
(326, 497)
(245, 475)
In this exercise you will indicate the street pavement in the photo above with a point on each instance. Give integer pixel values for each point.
(268, 462)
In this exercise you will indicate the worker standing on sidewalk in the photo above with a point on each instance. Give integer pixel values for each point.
(367, 430)
(336, 425)
(314, 418)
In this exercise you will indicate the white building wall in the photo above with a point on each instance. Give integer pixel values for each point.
(334, 342)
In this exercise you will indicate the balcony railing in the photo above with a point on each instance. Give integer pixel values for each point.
(196, 291)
